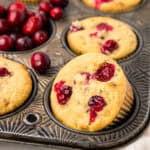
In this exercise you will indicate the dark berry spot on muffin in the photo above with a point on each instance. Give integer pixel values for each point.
(104, 26)
(4, 72)
(105, 72)
(109, 46)
(75, 28)
(98, 3)
(96, 104)
(94, 34)
(63, 92)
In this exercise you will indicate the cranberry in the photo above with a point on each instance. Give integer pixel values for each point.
(6, 43)
(14, 37)
(74, 28)
(2, 11)
(98, 3)
(30, 13)
(43, 16)
(105, 72)
(4, 26)
(19, 6)
(40, 37)
(63, 92)
(4, 72)
(61, 3)
(16, 17)
(45, 6)
(33, 24)
(104, 26)
(109, 46)
(40, 62)
(24, 43)
(56, 13)
(96, 104)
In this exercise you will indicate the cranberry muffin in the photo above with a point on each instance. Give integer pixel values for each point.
(112, 5)
(103, 35)
(15, 85)
(90, 92)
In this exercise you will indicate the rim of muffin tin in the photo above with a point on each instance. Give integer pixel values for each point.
(139, 6)
(29, 99)
(52, 30)
(119, 125)
(138, 34)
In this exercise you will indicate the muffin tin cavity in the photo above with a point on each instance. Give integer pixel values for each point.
(28, 101)
(116, 124)
(51, 28)
(31, 119)
(66, 46)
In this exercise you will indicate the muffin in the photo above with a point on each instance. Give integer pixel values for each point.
(90, 92)
(112, 5)
(15, 85)
(103, 35)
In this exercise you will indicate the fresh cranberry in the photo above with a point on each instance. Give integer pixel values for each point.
(96, 104)
(61, 3)
(4, 72)
(44, 17)
(6, 43)
(33, 24)
(16, 17)
(105, 72)
(98, 3)
(74, 28)
(19, 6)
(56, 13)
(40, 37)
(24, 43)
(109, 46)
(45, 6)
(40, 62)
(30, 13)
(63, 92)
(104, 26)
(14, 37)
(4, 26)
(2, 11)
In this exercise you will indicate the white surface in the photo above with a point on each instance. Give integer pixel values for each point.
(143, 143)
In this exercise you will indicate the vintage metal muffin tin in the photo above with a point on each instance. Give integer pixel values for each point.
(34, 121)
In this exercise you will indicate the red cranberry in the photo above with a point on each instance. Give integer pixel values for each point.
(14, 37)
(33, 24)
(19, 6)
(6, 43)
(40, 37)
(44, 17)
(45, 6)
(2, 11)
(74, 28)
(30, 13)
(105, 72)
(104, 26)
(4, 72)
(24, 43)
(4, 26)
(109, 46)
(40, 62)
(63, 92)
(96, 104)
(56, 13)
(16, 17)
(98, 3)
(61, 3)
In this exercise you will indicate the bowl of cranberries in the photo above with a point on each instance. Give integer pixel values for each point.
(23, 30)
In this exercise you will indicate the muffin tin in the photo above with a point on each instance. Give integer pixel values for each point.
(34, 121)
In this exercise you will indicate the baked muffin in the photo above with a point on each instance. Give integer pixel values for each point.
(90, 92)
(15, 85)
(103, 35)
(112, 5)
